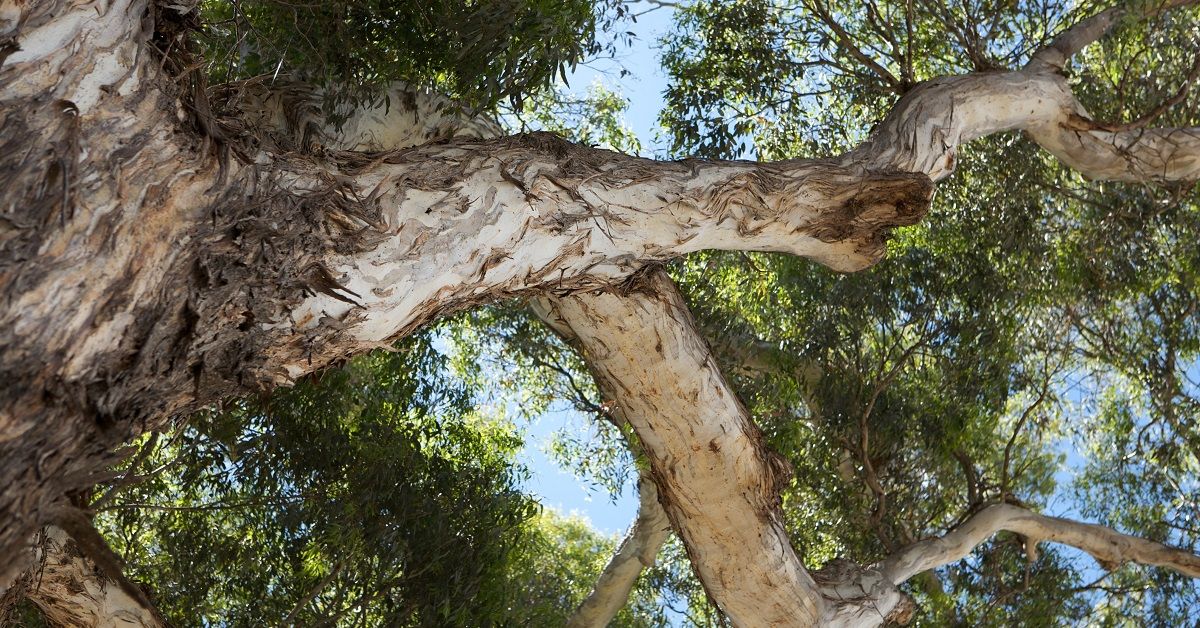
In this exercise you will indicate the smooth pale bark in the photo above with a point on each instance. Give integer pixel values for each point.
(637, 551)
(1109, 547)
(154, 257)
(720, 485)
(868, 592)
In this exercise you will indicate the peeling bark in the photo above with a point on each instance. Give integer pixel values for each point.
(71, 590)
(154, 257)
(147, 271)
(719, 484)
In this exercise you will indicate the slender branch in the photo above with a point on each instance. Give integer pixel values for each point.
(1045, 392)
(1152, 115)
(637, 551)
(128, 477)
(1109, 547)
(846, 42)
(1068, 43)
(312, 594)
(970, 475)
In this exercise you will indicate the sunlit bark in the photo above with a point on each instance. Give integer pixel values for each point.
(154, 257)
(720, 485)
(1109, 547)
(70, 590)
(637, 551)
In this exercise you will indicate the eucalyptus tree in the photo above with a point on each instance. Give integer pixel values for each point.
(167, 248)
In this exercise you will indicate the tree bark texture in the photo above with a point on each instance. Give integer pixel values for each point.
(719, 483)
(158, 252)
(71, 590)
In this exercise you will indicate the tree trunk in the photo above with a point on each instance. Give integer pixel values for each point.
(150, 266)
(155, 256)
(720, 485)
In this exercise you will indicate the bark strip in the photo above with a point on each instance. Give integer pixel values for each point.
(71, 590)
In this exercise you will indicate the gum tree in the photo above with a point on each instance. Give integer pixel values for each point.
(166, 247)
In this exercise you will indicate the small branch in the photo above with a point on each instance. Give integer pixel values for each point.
(312, 594)
(846, 42)
(1162, 107)
(1016, 432)
(128, 477)
(1068, 43)
(969, 474)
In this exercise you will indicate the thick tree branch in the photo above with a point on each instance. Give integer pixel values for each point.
(924, 130)
(719, 483)
(144, 272)
(289, 117)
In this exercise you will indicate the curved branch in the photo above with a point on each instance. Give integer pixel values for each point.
(637, 551)
(557, 215)
(1070, 42)
(1109, 547)
(924, 130)
(417, 117)
(860, 596)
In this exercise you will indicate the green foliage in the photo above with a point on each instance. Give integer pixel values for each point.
(481, 52)
(1030, 316)
(560, 564)
(596, 119)
(530, 370)
(372, 496)
(785, 78)
(1034, 340)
